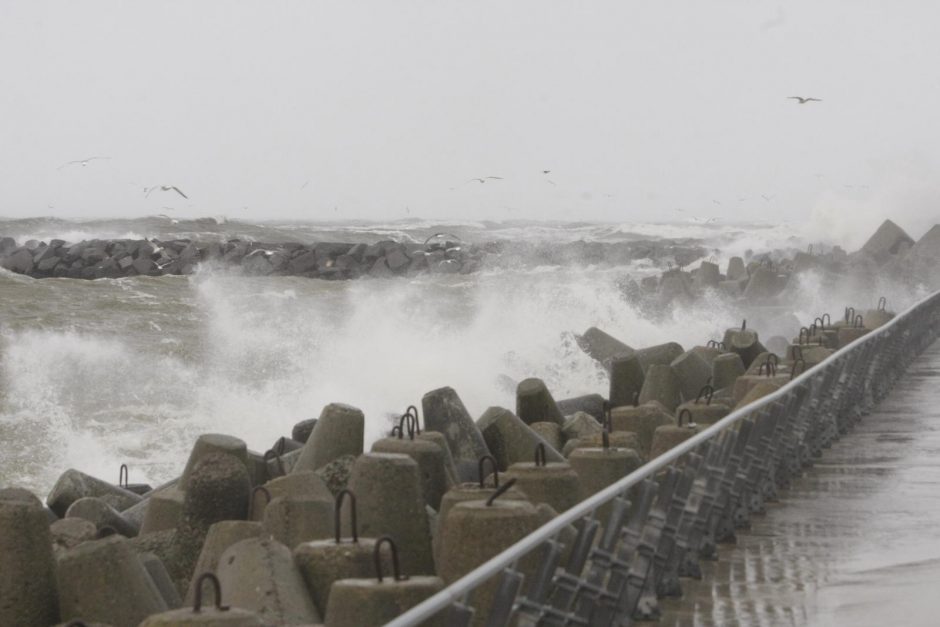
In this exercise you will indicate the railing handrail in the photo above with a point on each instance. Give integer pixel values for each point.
(456, 591)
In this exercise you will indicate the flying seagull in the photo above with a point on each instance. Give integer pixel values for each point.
(83, 162)
(545, 171)
(803, 100)
(768, 198)
(166, 188)
(484, 179)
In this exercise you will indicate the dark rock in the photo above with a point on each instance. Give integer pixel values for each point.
(20, 261)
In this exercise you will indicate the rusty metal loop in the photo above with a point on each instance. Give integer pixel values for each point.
(123, 477)
(337, 519)
(501, 491)
(608, 423)
(812, 330)
(540, 459)
(605, 439)
(773, 357)
(708, 391)
(396, 430)
(882, 304)
(799, 340)
(216, 589)
(495, 470)
(713, 344)
(793, 372)
(272, 454)
(822, 325)
(682, 413)
(414, 412)
(377, 558)
(771, 369)
(264, 491)
(849, 314)
(407, 420)
(826, 320)
(744, 325)
(859, 321)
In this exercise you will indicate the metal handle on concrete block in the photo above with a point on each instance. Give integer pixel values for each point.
(377, 558)
(500, 491)
(216, 588)
(708, 391)
(123, 477)
(540, 459)
(337, 521)
(492, 461)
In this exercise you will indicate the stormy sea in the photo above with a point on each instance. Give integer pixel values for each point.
(96, 373)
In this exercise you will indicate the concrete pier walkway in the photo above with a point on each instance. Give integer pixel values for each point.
(855, 541)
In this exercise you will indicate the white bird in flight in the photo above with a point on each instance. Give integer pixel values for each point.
(485, 178)
(166, 188)
(82, 162)
(803, 100)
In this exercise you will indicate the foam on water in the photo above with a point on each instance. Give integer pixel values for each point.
(95, 374)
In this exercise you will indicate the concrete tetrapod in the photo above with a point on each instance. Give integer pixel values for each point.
(668, 436)
(103, 580)
(294, 519)
(534, 403)
(161, 579)
(580, 425)
(745, 343)
(478, 530)
(661, 385)
(602, 346)
(296, 485)
(598, 468)
(481, 490)
(259, 575)
(642, 420)
(199, 615)
(374, 602)
(445, 412)
(589, 403)
(27, 565)
(702, 411)
(449, 467)
(221, 536)
(219, 489)
(616, 439)
(339, 431)
(510, 440)
(95, 510)
(555, 483)
(693, 373)
(626, 380)
(208, 444)
(430, 460)
(163, 511)
(390, 501)
(548, 431)
(726, 368)
(73, 485)
(322, 562)
(661, 355)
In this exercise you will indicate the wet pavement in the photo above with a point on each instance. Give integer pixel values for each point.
(855, 541)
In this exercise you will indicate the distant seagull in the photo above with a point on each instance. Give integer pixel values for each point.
(166, 188)
(486, 178)
(82, 162)
(803, 100)
(546, 171)
(768, 198)
(716, 202)
(305, 184)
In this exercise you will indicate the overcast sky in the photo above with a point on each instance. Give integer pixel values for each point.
(322, 110)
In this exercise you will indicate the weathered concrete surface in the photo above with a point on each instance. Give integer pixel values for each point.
(853, 542)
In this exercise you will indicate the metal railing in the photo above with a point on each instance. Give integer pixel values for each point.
(675, 510)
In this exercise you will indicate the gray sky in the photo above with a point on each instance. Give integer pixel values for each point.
(637, 108)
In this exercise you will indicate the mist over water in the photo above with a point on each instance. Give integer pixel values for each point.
(98, 373)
